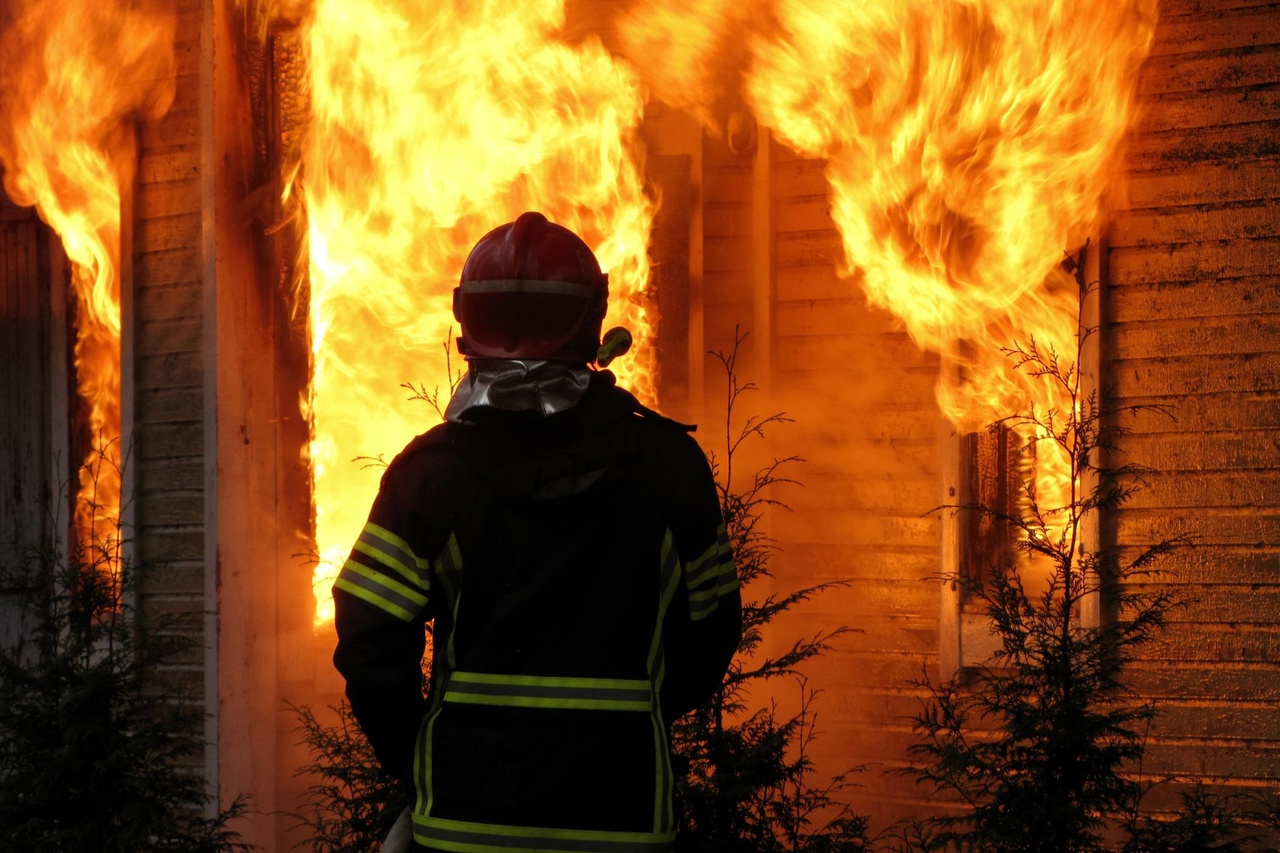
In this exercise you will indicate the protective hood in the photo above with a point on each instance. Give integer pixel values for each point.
(518, 385)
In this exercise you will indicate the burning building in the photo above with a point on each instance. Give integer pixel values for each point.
(231, 231)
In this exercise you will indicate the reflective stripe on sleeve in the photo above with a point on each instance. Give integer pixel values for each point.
(530, 691)
(710, 576)
(393, 552)
(468, 837)
(380, 590)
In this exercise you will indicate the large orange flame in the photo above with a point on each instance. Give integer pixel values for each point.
(433, 123)
(76, 74)
(969, 144)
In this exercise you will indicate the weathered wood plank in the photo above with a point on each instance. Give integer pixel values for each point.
(1195, 261)
(1166, 377)
(1213, 526)
(723, 288)
(1257, 565)
(846, 527)
(1221, 30)
(1256, 721)
(881, 352)
(857, 491)
(1232, 764)
(176, 545)
(724, 184)
(177, 128)
(1162, 75)
(161, 337)
(1230, 605)
(819, 317)
(1200, 223)
(170, 370)
(1205, 184)
(1237, 144)
(799, 178)
(823, 281)
(1194, 413)
(168, 301)
(803, 213)
(168, 232)
(173, 266)
(835, 562)
(1207, 451)
(822, 248)
(171, 441)
(1259, 333)
(726, 219)
(1238, 297)
(726, 254)
(177, 165)
(179, 473)
(1224, 681)
(1170, 9)
(1215, 108)
(167, 199)
(1242, 489)
(171, 506)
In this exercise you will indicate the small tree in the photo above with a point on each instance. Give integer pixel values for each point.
(745, 777)
(1039, 744)
(353, 804)
(92, 734)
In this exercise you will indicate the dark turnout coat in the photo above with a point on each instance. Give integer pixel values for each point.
(582, 594)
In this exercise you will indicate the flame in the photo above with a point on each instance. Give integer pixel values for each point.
(76, 74)
(969, 143)
(432, 124)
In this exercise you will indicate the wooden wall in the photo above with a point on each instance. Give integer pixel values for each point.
(867, 427)
(1192, 323)
(1191, 315)
(165, 348)
(222, 506)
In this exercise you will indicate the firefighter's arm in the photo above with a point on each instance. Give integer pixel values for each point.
(704, 620)
(382, 600)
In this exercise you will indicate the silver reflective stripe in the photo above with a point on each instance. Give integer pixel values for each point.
(526, 285)
(527, 691)
(492, 838)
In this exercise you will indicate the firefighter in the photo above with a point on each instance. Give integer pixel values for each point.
(566, 547)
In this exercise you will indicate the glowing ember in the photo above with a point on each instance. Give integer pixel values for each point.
(433, 123)
(76, 73)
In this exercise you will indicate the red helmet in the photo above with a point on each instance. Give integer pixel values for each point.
(531, 289)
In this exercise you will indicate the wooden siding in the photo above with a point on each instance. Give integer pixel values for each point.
(867, 426)
(1192, 322)
(167, 454)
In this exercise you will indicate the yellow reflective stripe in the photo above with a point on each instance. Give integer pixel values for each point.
(449, 570)
(392, 551)
(704, 569)
(669, 579)
(709, 565)
(530, 691)
(373, 598)
(469, 837)
(449, 565)
(380, 591)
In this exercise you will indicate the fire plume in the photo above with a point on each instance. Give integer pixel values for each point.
(431, 125)
(968, 145)
(76, 74)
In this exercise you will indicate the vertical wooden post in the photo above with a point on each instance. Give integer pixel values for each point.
(1090, 368)
(762, 259)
